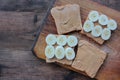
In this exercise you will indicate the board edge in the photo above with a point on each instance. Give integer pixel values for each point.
(41, 26)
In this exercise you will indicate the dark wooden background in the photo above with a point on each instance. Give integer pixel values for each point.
(19, 23)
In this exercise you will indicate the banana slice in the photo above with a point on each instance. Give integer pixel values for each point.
(112, 24)
(49, 51)
(103, 19)
(61, 40)
(93, 16)
(72, 41)
(106, 33)
(59, 52)
(69, 53)
(51, 39)
(97, 31)
(88, 26)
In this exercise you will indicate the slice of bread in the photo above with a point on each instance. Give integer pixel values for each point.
(67, 18)
(88, 58)
(99, 40)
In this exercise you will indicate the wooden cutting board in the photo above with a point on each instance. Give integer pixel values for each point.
(110, 70)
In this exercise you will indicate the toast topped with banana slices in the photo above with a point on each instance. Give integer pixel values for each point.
(60, 48)
(98, 26)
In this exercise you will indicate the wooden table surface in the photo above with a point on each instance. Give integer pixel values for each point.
(19, 24)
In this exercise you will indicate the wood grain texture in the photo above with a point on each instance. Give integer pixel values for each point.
(111, 65)
(17, 62)
(17, 24)
(26, 66)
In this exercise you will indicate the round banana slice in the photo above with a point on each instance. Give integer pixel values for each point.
(106, 33)
(61, 40)
(72, 41)
(69, 53)
(93, 16)
(49, 51)
(112, 24)
(51, 39)
(88, 26)
(97, 31)
(103, 19)
(59, 52)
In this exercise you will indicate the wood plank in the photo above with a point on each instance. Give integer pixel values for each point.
(24, 5)
(18, 64)
(114, 4)
(16, 29)
(112, 48)
(21, 64)
(19, 22)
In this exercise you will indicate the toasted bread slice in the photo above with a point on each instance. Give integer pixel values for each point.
(89, 58)
(67, 18)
